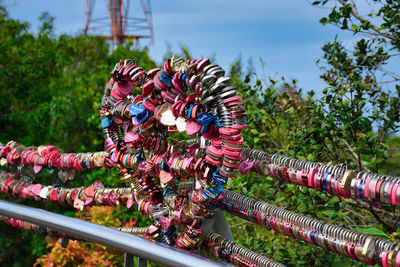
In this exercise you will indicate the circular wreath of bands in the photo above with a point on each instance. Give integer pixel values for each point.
(192, 97)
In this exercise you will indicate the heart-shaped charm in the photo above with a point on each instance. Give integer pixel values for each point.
(192, 128)
(89, 191)
(130, 203)
(98, 185)
(131, 137)
(78, 204)
(37, 168)
(112, 197)
(245, 167)
(181, 124)
(165, 177)
(89, 201)
(36, 189)
(43, 192)
(54, 195)
(167, 118)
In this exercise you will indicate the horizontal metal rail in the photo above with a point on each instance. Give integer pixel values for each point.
(146, 249)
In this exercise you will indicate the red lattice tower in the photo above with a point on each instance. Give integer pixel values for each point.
(122, 25)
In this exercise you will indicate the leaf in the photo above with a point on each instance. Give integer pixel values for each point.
(254, 131)
(333, 200)
(323, 20)
(329, 212)
(247, 78)
(373, 231)
(301, 158)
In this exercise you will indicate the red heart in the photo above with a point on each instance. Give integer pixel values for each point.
(89, 191)
(112, 198)
(54, 195)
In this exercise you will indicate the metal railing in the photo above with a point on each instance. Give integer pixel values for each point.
(131, 245)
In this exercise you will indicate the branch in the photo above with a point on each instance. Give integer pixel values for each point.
(271, 139)
(390, 73)
(374, 27)
(383, 82)
(395, 223)
(389, 224)
(347, 218)
(359, 215)
(358, 159)
(384, 212)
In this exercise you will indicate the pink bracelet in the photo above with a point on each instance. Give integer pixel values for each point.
(365, 190)
(328, 184)
(397, 262)
(393, 194)
(299, 177)
(311, 175)
(389, 192)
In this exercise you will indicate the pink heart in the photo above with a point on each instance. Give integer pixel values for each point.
(245, 167)
(165, 177)
(37, 168)
(192, 128)
(98, 185)
(36, 189)
(166, 222)
(130, 203)
(89, 191)
(89, 201)
(78, 203)
(131, 137)
(114, 156)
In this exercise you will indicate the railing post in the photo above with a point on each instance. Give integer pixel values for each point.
(221, 225)
(128, 260)
(141, 262)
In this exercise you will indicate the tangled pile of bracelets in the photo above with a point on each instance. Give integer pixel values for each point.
(179, 183)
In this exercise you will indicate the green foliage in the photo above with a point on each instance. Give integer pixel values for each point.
(353, 121)
(51, 88)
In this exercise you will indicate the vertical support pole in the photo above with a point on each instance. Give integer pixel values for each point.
(221, 225)
(141, 262)
(128, 260)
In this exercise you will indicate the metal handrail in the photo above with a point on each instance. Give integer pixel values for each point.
(134, 245)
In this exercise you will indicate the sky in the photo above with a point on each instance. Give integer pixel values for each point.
(285, 34)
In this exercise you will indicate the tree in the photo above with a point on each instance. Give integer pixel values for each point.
(51, 88)
(354, 121)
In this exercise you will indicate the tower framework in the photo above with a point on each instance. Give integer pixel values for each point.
(123, 26)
